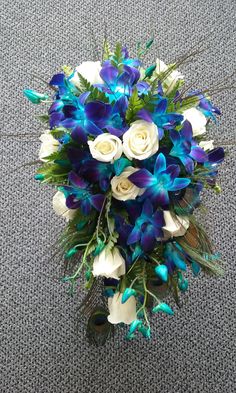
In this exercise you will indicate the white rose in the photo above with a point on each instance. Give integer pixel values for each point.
(207, 145)
(106, 147)
(197, 119)
(171, 79)
(60, 208)
(141, 140)
(122, 188)
(121, 313)
(109, 263)
(49, 145)
(90, 70)
(174, 225)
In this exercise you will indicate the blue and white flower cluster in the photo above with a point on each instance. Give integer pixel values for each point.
(126, 150)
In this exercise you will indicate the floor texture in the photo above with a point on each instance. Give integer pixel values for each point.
(42, 343)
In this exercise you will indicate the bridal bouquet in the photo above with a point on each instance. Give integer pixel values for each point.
(126, 150)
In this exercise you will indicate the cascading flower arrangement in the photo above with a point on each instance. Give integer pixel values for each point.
(126, 151)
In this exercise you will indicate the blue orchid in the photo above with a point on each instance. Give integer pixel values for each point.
(214, 158)
(78, 195)
(118, 83)
(158, 184)
(185, 148)
(162, 119)
(147, 227)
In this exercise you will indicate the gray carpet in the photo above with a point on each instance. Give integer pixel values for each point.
(43, 348)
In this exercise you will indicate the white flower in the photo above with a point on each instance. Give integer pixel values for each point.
(121, 313)
(174, 225)
(122, 188)
(109, 263)
(207, 145)
(106, 147)
(49, 145)
(141, 140)
(90, 70)
(170, 80)
(60, 208)
(197, 119)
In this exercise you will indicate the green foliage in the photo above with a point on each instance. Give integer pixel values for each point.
(95, 93)
(43, 118)
(106, 51)
(135, 104)
(54, 173)
(117, 58)
(59, 132)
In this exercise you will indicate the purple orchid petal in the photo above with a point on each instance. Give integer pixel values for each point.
(77, 181)
(92, 129)
(186, 131)
(188, 163)
(173, 171)
(160, 164)
(147, 208)
(69, 123)
(85, 206)
(95, 111)
(115, 131)
(160, 133)
(109, 74)
(198, 154)
(56, 106)
(160, 89)
(83, 97)
(142, 87)
(79, 135)
(144, 115)
(55, 119)
(158, 219)
(142, 178)
(179, 183)
(134, 236)
(148, 239)
(161, 197)
(97, 201)
(174, 136)
(133, 73)
(216, 156)
(72, 202)
(121, 106)
(161, 106)
(57, 80)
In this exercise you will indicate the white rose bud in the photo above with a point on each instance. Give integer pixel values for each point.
(141, 140)
(109, 264)
(121, 313)
(90, 70)
(206, 145)
(197, 120)
(174, 225)
(106, 147)
(49, 145)
(60, 208)
(122, 188)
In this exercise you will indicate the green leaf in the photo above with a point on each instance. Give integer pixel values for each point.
(135, 104)
(106, 50)
(117, 58)
(43, 118)
(95, 93)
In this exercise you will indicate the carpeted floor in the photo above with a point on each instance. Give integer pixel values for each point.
(42, 343)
